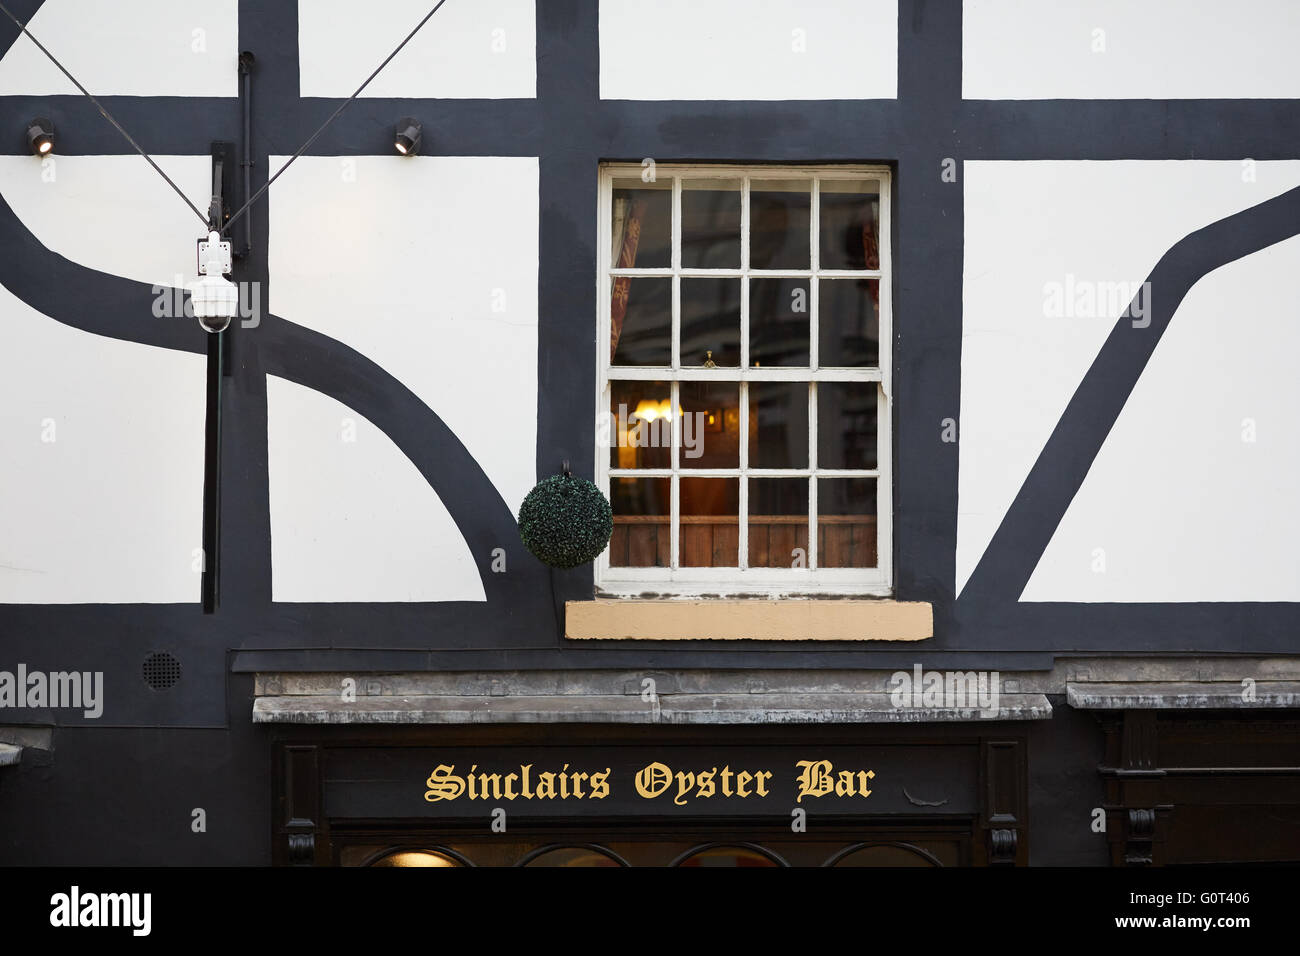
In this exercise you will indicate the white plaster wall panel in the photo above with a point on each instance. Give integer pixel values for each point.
(1031, 223)
(748, 49)
(113, 214)
(484, 49)
(352, 519)
(1193, 495)
(128, 48)
(1119, 49)
(427, 266)
(101, 488)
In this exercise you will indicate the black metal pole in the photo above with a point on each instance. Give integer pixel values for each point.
(212, 478)
(246, 61)
(218, 363)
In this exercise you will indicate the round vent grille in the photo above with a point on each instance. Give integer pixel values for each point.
(161, 670)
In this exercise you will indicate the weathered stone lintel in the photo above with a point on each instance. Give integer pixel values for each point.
(1184, 695)
(666, 709)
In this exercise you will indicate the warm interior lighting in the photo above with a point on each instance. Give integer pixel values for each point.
(416, 858)
(648, 410)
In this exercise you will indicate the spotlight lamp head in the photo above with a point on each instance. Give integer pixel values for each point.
(40, 136)
(406, 138)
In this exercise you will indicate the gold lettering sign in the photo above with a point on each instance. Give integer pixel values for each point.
(526, 784)
(815, 780)
(812, 778)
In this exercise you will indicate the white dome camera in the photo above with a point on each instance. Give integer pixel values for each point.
(214, 297)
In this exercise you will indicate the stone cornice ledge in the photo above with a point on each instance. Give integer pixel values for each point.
(810, 619)
(1183, 695)
(769, 708)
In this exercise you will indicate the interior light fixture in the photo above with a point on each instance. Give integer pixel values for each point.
(648, 410)
(40, 136)
(406, 139)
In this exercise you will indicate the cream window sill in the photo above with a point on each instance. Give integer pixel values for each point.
(749, 620)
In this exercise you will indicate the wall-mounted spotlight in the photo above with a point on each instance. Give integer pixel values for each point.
(40, 136)
(406, 139)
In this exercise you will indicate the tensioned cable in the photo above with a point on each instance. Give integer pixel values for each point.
(301, 149)
(344, 105)
(116, 125)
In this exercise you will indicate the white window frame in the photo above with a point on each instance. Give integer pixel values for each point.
(769, 582)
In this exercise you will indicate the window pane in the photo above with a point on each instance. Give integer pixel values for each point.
(711, 224)
(640, 425)
(846, 425)
(778, 323)
(641, 321)
(779, 223)
(778, 425)
(849, 224)
(417, 858)
(887, 855)
(778, 522)
(573, 856)
(710, 532)
(711, 322)
(848, 323)
(641, 225)
(728, 856)
(710, 424)
(846, 522)
(641, 515)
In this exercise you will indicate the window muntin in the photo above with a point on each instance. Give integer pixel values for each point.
(744, 368)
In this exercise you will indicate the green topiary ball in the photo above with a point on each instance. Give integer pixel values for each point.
(565, 521)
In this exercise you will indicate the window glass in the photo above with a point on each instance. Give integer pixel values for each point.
(710, 425)
(711, 223)
(848, 326)
(710, 322)
(641, 217)
(778, 522)
(779, 311)
(778, 425)
(849, 224)
(640, 425)
(710, 534)
(846, 425)
(642, 533)
(641, 321)
(846, 522)
(748, 407)
(728, 856)
(780, 214)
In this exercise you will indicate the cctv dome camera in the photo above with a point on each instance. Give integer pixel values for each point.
(213, 323)
(214, 297)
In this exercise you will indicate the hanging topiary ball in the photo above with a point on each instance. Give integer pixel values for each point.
(565, 521)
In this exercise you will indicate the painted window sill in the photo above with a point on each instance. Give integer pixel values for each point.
(749, 620)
